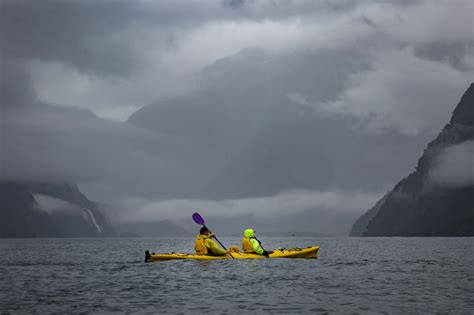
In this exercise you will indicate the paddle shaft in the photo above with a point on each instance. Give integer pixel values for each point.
(260, 243)
(218, 240)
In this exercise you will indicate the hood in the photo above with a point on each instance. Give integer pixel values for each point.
(249, 233)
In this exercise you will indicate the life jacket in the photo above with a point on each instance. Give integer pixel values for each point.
(199, 245)
(248, 234)
(246, 245)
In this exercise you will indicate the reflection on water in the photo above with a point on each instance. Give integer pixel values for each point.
(396, 275)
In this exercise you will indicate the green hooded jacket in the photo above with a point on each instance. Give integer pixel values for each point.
(254, 244)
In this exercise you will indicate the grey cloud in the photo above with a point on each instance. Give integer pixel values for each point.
(273, 144)
(234, 4)
(108, 37)
(50, 205)
(102, 38)
(403, 92)
(72, 32)
(448, 52)
(353, 64)
(15, 84)
(331, 212)
(45, 143)
(454, 166)
(367, 21)
(260, 207)
(95, 37)
(155, 48)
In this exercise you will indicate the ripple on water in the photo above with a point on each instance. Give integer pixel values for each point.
(393, 275)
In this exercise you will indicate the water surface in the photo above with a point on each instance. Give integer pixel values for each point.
(352, 275)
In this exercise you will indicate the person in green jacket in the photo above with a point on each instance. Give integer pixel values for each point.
(251, 245)
(204, 244)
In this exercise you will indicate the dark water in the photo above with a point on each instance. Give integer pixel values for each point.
(352, 275)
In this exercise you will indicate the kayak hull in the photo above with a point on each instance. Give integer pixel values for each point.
(306, 253)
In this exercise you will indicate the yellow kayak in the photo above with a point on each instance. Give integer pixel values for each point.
(308, 252)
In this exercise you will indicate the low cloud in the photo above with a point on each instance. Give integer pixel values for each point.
(45, 143)
(402, 92)
(110, 58)
(454, 166)
(52, 205)
(282, 204)
(112, 97)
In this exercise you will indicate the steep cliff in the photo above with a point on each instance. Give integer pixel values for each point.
(438, 198)
(19, 215)
(49, 210)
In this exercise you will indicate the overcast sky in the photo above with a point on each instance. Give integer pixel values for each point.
(389, 73)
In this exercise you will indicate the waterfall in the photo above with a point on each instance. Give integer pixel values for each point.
(98, 227)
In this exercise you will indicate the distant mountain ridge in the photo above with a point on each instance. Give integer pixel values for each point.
(49, 210)
(420, 206)
(258, 138)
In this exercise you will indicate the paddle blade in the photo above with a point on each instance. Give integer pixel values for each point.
(198, 219)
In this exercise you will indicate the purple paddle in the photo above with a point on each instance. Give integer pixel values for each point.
(199, 220)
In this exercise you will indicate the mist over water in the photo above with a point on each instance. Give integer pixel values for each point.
(360, 275)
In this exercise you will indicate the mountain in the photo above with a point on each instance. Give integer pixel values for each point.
(49, 210)
(438, 198)
(359, 227)
(258, 136)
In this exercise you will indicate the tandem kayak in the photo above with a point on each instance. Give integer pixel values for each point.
(308, 252)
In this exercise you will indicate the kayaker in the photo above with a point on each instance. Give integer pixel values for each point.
(204, 244)
(251, 245)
